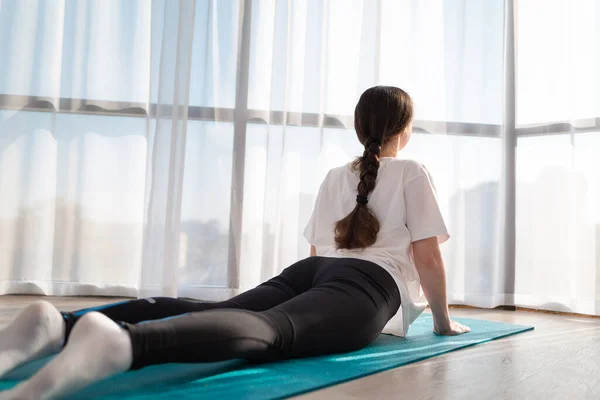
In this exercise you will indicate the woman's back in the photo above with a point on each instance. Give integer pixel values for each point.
(404, 203)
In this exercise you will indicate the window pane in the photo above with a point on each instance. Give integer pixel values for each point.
(558, 60)
(106, 50)
(281, 170)
(304, 56)
(86, 49)
(214, 54)
(447, 55)
(205, 208)
(30, 47)
(558, 222)
(100, 177)
(72, 198)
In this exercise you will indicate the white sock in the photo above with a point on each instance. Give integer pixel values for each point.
(97, 348)
(37, 332)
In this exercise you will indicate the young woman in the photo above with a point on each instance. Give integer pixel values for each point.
(374, 236)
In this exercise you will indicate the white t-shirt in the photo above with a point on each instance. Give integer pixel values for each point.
(404, 201)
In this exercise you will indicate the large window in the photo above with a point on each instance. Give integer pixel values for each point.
(273, 91)
(270, 94)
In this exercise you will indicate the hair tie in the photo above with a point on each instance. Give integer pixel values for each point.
(360, 199)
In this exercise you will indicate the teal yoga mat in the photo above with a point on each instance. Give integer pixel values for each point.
(238, 380)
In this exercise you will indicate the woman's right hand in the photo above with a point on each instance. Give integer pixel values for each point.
(453, 329)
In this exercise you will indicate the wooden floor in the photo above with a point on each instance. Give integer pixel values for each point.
(560, 359)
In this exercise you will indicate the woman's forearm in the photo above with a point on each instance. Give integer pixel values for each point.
(433, 282)
(430, 265)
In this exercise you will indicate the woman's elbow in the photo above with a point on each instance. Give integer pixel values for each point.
(426, 253)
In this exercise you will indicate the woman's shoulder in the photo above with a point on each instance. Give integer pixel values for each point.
(407, 168)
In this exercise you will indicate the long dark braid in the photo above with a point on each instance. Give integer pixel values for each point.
(382, 113)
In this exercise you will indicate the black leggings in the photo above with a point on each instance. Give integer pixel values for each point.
(317, 306)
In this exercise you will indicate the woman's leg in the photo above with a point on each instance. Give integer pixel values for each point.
(347, 308)
(39, 330)
(293, 281)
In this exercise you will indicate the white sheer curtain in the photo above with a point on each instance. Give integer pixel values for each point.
(558, 168)
(176, 147)
(92, 133)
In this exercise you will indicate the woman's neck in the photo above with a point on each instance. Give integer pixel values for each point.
(389, 150)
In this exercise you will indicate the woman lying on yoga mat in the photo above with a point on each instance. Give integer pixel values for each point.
(374, 233)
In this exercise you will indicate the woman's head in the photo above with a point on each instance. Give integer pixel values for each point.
(382, 118)
(383, 113)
